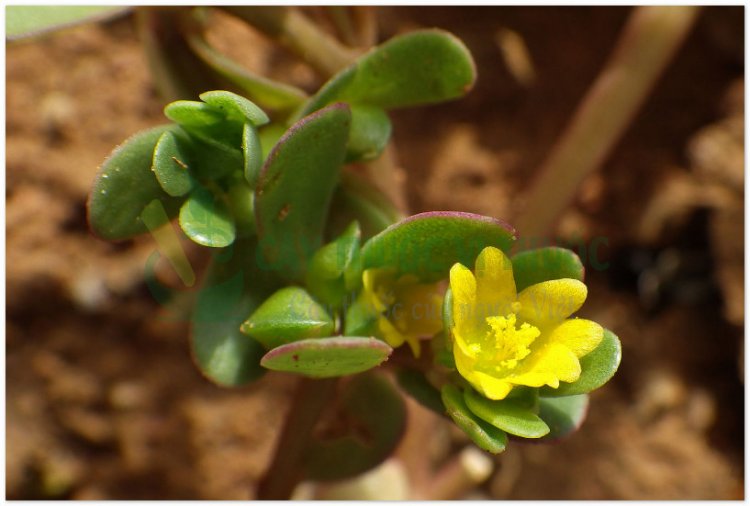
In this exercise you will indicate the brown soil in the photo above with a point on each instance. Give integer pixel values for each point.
(103, 401)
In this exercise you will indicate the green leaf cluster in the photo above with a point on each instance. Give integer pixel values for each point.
(291, 228)
(268, 194)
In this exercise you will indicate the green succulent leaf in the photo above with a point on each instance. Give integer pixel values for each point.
(154, 215)
(125, 185)
(442, 350)
(223, 354)
(252, 150)
(327, 273)
(232, 289)
(448, 311)
(235, 107)
(416, 385)
(216, 140)
(29, 20)
(214, 157)
(269, 136)
(485, 436)
(295, 188)
(191, 113)
(360, 319)
(171, 164)
(428, 244)
(289, 315)
(563, 415)
(264, 91)
(327, 357)
(421, 67)
(525, 397)
(597, 368)
(357, 199)
(544, 264)
(241, 202)
(379, 414)
(370, 132)
(506, 415)
(206, 219)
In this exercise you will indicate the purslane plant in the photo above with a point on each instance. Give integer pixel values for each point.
(313, 273)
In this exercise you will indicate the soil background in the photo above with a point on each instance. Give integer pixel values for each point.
(102, 398)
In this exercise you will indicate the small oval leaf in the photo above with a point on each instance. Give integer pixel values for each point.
(378, 414)
(233, 288)
(326, 274)
(192, 113)
(416, 385)
(442, 350)
(253, 153)
(235, 107)
(506, 415)
(544, 264)
(214, 158)
(295, 188)
(428, 244)
(448, 311)
(327, 357)
(563, 415)
(357, 199)
(360, 318)
(288, 315)
(264, 91)
(597, 368)
(421, 67)
(484, 435)
(125, 185)
(370, 132)
(205, 218)
(241, 202)
(171, 165)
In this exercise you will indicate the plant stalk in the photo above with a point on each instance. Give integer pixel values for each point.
(386, 176)
(176, 71)
(649, 40)
(286, 471)
(356, 24)
(460, 475)
(294, 30)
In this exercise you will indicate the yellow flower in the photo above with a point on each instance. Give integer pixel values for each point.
(406, 309)
(503, 338)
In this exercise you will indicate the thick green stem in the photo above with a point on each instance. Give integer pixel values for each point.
(646, 46)
(295, 31)
(286, 471)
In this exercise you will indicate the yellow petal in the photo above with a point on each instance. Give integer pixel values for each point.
(392, 336)
(395, 338)
(419, 311)
(550, 302)
(579, 335)
(464, 289)
(492, 388)
(548, 365)
(369, 286)
(496, 288)
(465, 361)
(463, 345)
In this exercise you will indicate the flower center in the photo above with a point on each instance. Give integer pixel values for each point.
(506, 344)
